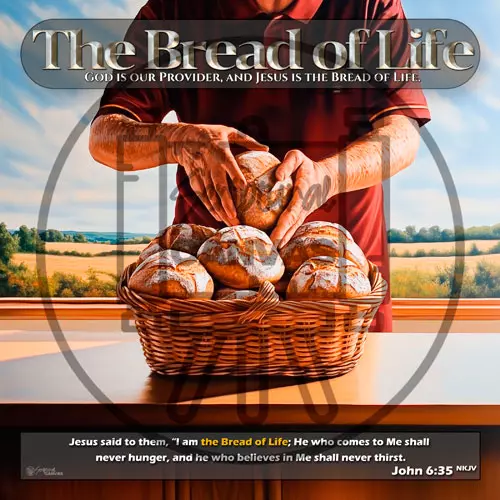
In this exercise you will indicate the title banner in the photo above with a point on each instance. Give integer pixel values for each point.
(74, 53)
(211, 455)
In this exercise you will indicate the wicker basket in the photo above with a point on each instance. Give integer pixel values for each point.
(258, 336)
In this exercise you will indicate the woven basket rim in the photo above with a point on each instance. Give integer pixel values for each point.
(149, 303)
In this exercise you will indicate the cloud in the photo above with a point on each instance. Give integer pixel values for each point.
(428, 207)
(11, 33)
(85, 194)
(485, 82)
(419, 196)
(492, 100)
(44, 12)
(445, 112)
(124, 9)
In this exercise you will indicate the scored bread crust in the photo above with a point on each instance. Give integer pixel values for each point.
(241, 257)
(152, 248)
(317, 238)
(355, 254)
(323, 228)
(185, 237)
(172, 274)
(323, 277)
(263, 199)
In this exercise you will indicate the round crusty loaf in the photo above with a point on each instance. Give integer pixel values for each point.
(172, 274)
(231, 293)
(263, 200)
(328, 278)
(152, 248)
(185, 237)
(322, 238)
(353, 253)
(324, 228)
(241, 257)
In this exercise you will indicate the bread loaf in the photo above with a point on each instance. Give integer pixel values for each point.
(172, 274)
(353, 253)
(324, 228)
(322, 238)
(241, 257)
(152, 248)
(263, 200)
(185, 237)
(231, 293)
(323, 277)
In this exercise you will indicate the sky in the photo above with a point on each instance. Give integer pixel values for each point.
(36, 122)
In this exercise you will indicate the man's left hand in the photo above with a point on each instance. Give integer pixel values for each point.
(313, 186)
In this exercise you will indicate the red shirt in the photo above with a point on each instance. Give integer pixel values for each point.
(319, 122)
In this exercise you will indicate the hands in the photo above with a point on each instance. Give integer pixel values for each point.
(314, 184)
(204, 152)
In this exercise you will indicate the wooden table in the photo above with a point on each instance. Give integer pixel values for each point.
(55, 391)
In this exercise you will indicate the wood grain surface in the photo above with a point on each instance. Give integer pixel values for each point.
(40, 390)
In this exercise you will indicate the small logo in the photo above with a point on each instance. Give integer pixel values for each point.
(41, 471)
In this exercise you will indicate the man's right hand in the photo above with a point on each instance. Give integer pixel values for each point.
(204, 152)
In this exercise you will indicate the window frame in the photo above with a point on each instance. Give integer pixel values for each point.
(21, 308)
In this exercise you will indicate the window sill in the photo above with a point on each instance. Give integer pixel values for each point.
(111, 308)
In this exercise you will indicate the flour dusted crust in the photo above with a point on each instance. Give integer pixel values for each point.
(152, 248)
(231, 293)
(317, 238)
(185, 237)
(323, 228)
(172, 274)
(355, 254)
(323, 277)
(241, 257)
(263, 200)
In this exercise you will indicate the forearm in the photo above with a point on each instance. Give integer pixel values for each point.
(377, 156)
(125, 144)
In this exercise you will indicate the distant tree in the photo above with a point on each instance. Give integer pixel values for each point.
(410, 232)
(459, 233)
(474, 250)
(396, 236)
(422, 235)
(38, 243)
(30, 240)
(434, 233)
(495, 249)
(447, 235)
(479, 233)
(26, 242)
(8, 245)
(51, 235)
(79, 238)
(58, 236)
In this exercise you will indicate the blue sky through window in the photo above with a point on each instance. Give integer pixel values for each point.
(36, 122)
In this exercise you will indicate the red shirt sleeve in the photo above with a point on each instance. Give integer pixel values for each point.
(403, 98)
(148, 105)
